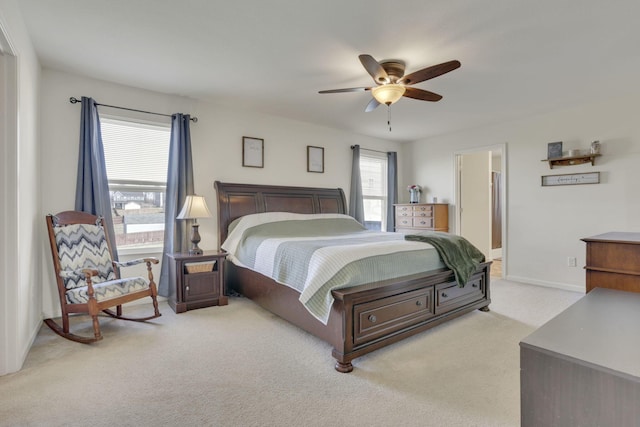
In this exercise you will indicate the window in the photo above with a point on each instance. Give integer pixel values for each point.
(373, 172)
(137, 156)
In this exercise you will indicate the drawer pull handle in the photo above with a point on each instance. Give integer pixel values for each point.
(418, 303)
(444, 295)
(186, 289)
(372, 318)
(474, 285)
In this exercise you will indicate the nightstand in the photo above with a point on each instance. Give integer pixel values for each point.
(196, 281)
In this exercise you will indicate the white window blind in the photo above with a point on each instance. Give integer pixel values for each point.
(373, 173)
(136, 157)
(135, 151)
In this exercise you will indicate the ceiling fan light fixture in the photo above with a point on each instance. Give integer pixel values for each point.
(388, 94)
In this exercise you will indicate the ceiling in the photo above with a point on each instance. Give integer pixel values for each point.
(519, 58)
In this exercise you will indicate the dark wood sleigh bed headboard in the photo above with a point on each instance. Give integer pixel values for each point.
(236, 200)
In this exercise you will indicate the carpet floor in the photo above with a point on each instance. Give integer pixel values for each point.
(239, 365)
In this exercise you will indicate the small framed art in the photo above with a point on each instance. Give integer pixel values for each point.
(315, 159)
(252, 152)
(554, 150)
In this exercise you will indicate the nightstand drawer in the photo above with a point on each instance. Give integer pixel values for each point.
(201, 285)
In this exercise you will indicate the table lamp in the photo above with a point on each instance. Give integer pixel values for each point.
(194, 207)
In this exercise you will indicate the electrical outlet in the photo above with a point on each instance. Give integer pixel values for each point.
(571, 261)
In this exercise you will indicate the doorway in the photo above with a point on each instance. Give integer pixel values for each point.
(10, 351)
(480, 185)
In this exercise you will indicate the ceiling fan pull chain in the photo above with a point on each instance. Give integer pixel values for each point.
(389, 117)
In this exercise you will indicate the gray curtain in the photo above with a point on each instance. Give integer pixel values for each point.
(92, 185)
(392, 187)
(356, 205)
(179, 185)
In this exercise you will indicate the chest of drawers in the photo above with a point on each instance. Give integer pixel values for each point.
(613, 261)
(412, 217)
(581, 368)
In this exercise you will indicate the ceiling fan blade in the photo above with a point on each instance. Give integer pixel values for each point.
(429, 72)
(372, 105)
(350, 89)
(374, 68)
(423, 95)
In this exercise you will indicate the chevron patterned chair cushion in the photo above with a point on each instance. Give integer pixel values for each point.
(106, 290)
(83, 246)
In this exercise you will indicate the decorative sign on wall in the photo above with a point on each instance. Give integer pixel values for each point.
(571, 179)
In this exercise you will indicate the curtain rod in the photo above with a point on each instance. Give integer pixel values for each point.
(75, 100)
(369, 149)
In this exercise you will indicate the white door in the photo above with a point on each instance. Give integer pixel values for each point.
(475, 199)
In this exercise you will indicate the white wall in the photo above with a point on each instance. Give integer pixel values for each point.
(21, 276)
(216, 141)
(545, 224)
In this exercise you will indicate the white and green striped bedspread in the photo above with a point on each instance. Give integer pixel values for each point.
(317, 253)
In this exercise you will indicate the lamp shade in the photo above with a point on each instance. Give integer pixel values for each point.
(388, 94)
(194, 207)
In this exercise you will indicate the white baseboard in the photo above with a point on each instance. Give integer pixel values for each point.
(556, 285)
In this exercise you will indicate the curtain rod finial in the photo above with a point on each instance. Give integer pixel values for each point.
(74, 100)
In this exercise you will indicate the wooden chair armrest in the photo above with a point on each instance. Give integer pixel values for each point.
(136, 262)
(148, 261)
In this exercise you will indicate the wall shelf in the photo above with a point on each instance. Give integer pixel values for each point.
(572, 160)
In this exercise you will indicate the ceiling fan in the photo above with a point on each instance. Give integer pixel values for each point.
(392, 84)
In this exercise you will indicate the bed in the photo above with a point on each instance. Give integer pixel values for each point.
(361, 318)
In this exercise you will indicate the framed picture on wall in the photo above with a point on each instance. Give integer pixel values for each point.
(554, 150)
(315, 159)
(252, 152)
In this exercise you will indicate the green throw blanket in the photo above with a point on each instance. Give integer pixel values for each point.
(456, 252)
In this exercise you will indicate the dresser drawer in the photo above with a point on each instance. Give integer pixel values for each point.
(404, 210)
(423, 222)
(377, 318)
(450, 295)
(615, 257)
(423, 210)
(404, 221)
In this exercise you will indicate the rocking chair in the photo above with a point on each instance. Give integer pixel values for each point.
(88, 279)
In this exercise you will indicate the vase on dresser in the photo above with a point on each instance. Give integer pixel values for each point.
(414, 196)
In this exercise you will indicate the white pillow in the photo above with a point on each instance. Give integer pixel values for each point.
(240, 225)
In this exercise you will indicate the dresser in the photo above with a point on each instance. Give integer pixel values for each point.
(412, 217)
(613, 261)
(582, 368)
